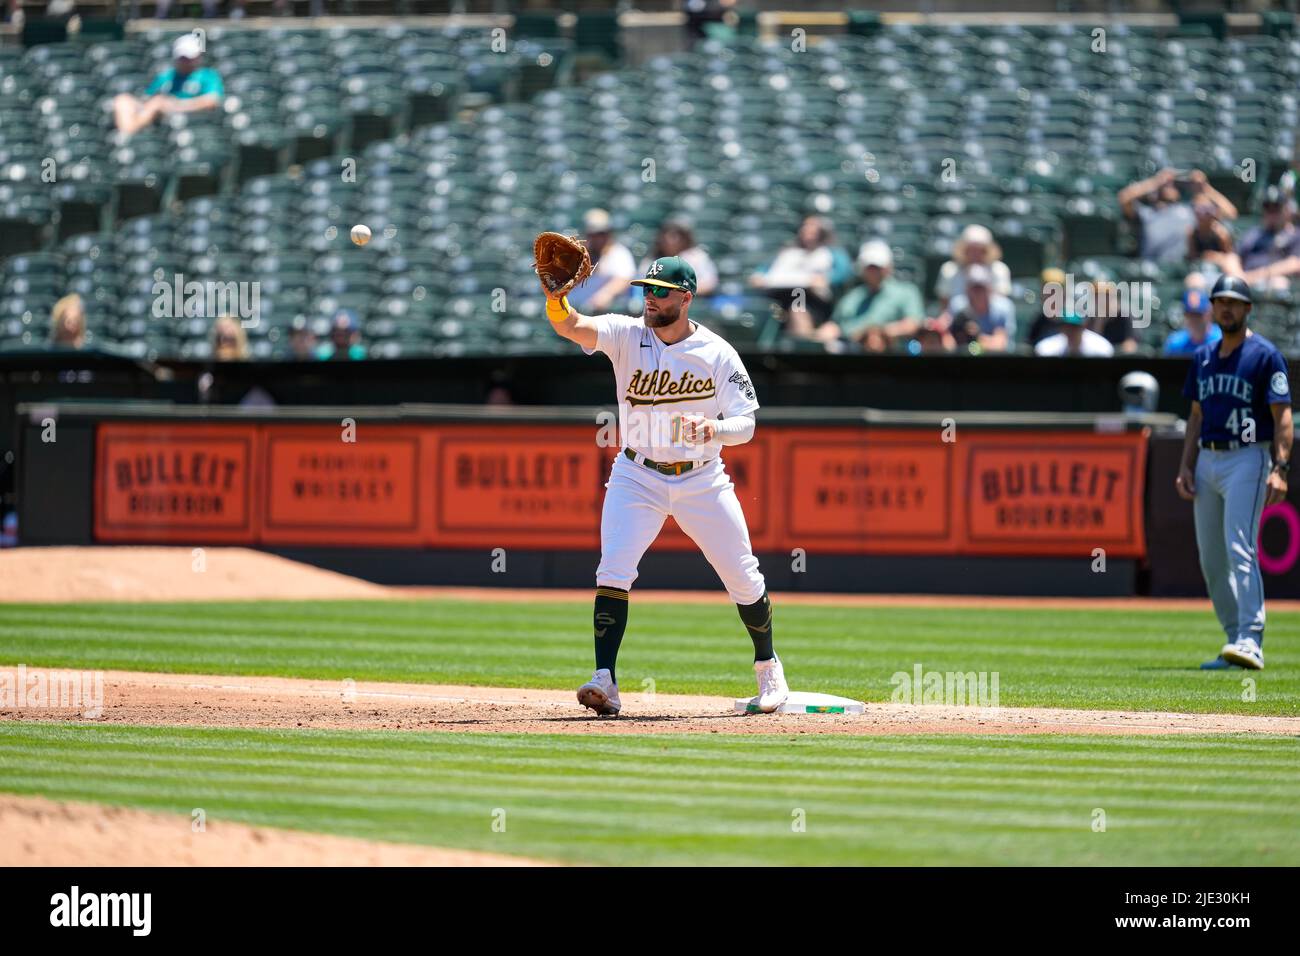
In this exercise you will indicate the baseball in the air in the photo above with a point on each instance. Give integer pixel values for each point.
(360, 234)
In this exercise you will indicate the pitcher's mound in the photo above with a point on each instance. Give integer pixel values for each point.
(168, 574)
(35, 831)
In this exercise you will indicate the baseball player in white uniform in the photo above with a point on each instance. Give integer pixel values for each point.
(683, 395)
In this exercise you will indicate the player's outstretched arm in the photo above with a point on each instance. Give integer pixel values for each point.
(571, 325)
(562, 263)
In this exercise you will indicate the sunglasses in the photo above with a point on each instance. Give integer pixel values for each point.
(659, 291)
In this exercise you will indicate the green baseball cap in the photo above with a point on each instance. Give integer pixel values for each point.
(671, 272)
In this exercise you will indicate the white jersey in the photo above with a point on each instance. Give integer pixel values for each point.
(1091, 345)
(658, 383)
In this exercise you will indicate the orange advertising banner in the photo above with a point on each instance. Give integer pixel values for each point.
(1054, 494)
(750, 468)
(525, 486)
(841, 490)
(167, 482)
(324, 484)
(858, 491)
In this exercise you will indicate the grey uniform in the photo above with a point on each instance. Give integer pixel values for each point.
(1236, 394)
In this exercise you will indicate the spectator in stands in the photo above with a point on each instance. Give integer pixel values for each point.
(1165, 219)
(1044, 324)
(934, 337)
(188, 87)
(1197, 328)
(879, 312)
(302, 340)
(699, 13)
(163, 9)
(1109, 320)
(980, 314)
(805, 275)
(1274, 242)
(675, 238)
(68, 322)
(975, 246)
(229, 341)
(344, 342)
(613, 267)
(1210, 241)
(1286, 183)
(1074, 339)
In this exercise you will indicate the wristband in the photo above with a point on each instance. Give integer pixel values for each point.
(1284, 467)
(557, 310)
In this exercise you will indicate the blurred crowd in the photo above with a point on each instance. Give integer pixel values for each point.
(12, 11)
(823, 295)
(844, 300)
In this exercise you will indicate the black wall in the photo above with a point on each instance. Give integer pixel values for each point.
(1171, 532)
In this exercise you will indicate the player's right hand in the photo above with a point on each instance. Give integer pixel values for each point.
(1185, 483)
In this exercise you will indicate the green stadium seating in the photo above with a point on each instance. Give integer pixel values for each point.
(454, 172)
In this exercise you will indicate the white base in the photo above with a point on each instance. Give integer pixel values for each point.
(803, 703)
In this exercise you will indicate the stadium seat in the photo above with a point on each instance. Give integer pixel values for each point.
(452, 168)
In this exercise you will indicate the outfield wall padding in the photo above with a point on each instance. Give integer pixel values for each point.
(836, 499)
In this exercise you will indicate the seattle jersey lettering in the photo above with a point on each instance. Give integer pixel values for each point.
(1224, 385)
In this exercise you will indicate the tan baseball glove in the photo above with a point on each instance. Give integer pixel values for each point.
(561, 263)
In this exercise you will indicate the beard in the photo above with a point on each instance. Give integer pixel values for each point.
(666, 315)
(1231, 326)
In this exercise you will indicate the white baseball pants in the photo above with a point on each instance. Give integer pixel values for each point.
(703, 502)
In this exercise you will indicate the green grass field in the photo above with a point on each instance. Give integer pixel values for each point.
(691, 799)
(704, 799)
(1107, 659)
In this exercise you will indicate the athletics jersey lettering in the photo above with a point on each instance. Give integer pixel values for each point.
(655, 387)
(657, 384)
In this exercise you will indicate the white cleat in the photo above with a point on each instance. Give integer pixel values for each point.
(1244, 653)
(772, 688)
(601, 694)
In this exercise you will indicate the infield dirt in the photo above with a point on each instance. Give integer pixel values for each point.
(169, 574)
(216, 701)
(53, 575)
(36, 831)
(39, 832)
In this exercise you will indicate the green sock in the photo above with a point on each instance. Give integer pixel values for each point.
(610, 621)
(757, 618)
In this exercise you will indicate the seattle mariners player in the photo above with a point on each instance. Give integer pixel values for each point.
(683, 395)
(1235, 460)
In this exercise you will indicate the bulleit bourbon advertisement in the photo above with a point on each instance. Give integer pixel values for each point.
(1054, 493)
(516, 486)
(188, 483)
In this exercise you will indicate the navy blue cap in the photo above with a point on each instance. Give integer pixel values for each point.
(1230, 287)
(1194, 300)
